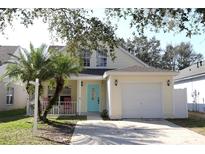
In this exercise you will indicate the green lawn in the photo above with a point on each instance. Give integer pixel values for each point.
(17, 129)
(195, 122)
(10, 113)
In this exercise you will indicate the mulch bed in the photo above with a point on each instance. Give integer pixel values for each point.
(57, 133)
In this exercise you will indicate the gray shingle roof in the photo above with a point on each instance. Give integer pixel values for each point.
(55, 47)
(93, 72)
(191, 72)
(137, 68)
(5, 51)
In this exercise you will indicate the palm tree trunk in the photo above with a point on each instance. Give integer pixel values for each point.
(39, 102)
(58, 89)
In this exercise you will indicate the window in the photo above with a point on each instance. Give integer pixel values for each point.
(65, 93)
(101, 58)
(86, 58)
(51, 91)
(10, 96)
(93, 94)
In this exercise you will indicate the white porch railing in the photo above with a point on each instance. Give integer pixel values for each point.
(62, 108)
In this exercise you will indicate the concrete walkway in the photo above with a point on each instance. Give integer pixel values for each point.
(93, 116)
(133, 132)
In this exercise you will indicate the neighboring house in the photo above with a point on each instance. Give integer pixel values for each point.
(12, 95)
(126, 87)
(193, 79)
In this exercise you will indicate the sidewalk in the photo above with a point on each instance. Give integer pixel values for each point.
(93, 116)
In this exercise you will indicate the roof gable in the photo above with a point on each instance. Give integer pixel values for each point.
(133, 57)
(56, 47)
(191, 71)
(5, 51)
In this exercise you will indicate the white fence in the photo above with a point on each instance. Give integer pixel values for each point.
(196, 107)
(62, 108)
(180, 103)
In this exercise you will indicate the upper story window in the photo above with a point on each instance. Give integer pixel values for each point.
(10, 96)
(101, 59)
(86, 58)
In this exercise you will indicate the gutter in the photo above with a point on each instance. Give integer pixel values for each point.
(106, 74)
(86, 77)
(189, 77)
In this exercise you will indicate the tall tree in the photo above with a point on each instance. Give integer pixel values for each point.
(186, 55)
(74, 26)
(169, 58)
(189, 20)
(148, 50)
(172, 58)
(79, 27)
(180, 56)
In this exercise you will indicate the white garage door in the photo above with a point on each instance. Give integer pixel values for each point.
(141, 100)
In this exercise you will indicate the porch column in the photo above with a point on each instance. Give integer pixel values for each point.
(79, 97)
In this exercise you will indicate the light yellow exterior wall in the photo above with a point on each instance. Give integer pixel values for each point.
(115, 93)
(73, 85)
(45, 89)
(122, 60)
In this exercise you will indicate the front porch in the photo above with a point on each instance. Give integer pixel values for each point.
(76, 97)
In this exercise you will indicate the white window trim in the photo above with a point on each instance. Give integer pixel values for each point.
(9, 100)
(99, 57)
(86, 56)
(86, 61)
(10, 94)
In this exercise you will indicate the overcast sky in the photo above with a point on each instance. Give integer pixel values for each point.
(38, 34)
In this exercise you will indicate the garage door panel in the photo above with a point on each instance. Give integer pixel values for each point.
(141, 100)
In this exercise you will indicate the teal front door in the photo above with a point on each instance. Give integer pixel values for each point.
(93, 99)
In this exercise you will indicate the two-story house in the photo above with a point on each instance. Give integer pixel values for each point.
(126, 87)
(12, 94)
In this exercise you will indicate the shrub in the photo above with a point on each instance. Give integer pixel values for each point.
(104, 114)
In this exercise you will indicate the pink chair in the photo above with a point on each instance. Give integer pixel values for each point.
(67, 105)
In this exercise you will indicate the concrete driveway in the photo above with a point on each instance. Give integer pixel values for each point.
(133, 132)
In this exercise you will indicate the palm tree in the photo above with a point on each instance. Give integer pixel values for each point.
(62, 65)
(27, 66)
(44, 65)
